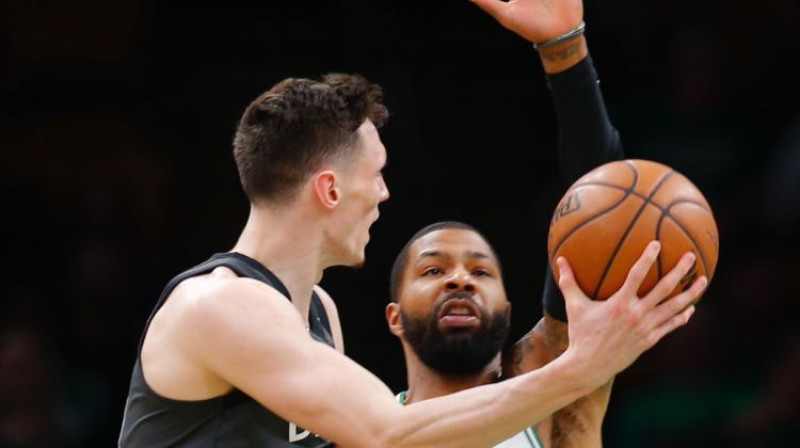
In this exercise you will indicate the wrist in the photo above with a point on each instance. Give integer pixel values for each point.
(581, 371)
(570, 34)
(560, 57)
(575, 373)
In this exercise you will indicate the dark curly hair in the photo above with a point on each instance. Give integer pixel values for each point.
(293, 128)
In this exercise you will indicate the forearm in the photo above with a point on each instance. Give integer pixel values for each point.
(489, 414)
(363, 413)
(561, 57)
(317, 388)
(586, 136)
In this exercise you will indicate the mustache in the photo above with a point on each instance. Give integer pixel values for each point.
(458, 295)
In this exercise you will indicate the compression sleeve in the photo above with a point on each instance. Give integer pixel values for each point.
(586, 139)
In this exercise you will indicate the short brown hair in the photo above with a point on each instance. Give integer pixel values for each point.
(293, 128)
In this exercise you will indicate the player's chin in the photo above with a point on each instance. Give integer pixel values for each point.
(356, 261)
(359, 257)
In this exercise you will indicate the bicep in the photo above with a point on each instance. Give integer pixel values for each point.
(260, 346)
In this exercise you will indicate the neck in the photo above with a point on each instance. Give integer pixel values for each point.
(425, 383)
(285, 241)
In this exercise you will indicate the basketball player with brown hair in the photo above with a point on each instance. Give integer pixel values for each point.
(449, 307)
(245, 349)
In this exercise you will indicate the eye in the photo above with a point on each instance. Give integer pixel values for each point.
(431, 271)
(481, 273)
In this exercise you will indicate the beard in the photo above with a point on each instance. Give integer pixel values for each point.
(458, 351)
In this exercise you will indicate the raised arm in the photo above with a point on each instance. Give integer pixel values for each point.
(586, 136)
(586, 139)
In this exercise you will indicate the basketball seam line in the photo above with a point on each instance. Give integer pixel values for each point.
(667, 214)
(628, 230)
(615, 205)
(638, 195)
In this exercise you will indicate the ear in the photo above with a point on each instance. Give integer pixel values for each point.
(394, 319)
(326, 190)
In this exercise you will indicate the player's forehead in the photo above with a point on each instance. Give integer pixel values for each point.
(372, 148)
(451, 243)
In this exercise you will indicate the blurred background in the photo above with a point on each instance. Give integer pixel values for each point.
(116, 121)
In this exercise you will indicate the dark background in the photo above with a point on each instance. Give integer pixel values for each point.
(115, 165)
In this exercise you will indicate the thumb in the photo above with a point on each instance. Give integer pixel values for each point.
(492, 7)
(567, 283)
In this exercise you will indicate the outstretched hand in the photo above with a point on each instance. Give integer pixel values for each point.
(536, 20)
(611, 334)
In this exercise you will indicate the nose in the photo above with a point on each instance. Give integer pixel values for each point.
(460, 281)
(384, 195)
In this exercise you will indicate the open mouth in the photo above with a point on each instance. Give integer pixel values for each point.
(459, 313)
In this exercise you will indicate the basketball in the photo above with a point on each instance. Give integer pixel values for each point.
(607, 217)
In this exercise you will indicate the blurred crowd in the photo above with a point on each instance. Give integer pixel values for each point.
(116, 174)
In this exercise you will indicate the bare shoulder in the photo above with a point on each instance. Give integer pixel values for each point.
(203, 317)
(223, 298)
(224, 283)
(220, 288)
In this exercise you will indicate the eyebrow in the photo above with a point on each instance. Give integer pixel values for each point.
(432, 254)
(438, 254)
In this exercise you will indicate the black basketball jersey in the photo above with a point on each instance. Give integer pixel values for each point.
(233, 420)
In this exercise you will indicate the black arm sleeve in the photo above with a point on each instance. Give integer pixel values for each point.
(586, 139)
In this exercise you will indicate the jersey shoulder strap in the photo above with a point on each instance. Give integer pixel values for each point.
(245, 266)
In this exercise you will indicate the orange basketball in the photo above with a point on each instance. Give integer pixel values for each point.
(607, 217)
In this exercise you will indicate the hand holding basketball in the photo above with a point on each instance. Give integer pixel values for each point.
(609, 335)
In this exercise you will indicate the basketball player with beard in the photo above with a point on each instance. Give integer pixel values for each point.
(450, 311)
(452, 341)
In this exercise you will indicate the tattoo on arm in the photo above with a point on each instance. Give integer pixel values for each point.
(516, 355)
(557, 336)
(561, 53)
